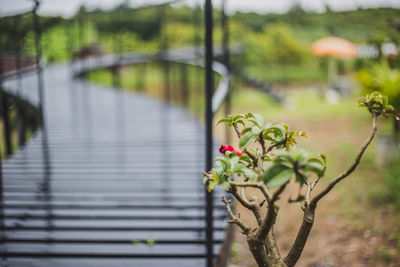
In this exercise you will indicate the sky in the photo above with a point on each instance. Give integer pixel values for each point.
(67, 8)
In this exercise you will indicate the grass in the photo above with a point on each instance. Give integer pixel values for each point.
(391, 178)
(299, 74)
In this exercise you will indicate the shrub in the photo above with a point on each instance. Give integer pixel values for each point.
(268, 160)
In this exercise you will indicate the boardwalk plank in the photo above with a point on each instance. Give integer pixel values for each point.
(109, 169)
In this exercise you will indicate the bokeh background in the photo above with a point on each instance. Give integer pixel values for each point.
(278, 73)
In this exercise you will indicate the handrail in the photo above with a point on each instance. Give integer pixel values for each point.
(223, 87)
(173, 56)
(22, 71)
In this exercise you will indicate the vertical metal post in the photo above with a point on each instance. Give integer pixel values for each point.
(17, 44)
(21, 124)
(184, 84)
(209, 77)
(116, 76)
(37, 31)
(164, 49)
(6, 122)
(226, 59)
(1, 200)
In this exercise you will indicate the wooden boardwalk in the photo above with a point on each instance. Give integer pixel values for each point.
(113, 179)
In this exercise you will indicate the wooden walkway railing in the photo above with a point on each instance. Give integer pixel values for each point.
(112, 178)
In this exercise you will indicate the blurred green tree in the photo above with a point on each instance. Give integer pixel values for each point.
(276, 45)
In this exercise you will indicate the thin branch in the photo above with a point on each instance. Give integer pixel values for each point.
(352, 167)
(269, 149)
(309, 212)
(259, 185)
(253, 206)
(244, 202)
(252, 157)
(278, 192)
(313, 185)
(270, 217)
(309, 189)
(235, 126)
(262, 143)
(235, 219)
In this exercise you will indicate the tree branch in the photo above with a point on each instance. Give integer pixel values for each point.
(302, 236)
(269, 149)
(253, 206)
(235, 219)
(259, 185)
(309, 212)
(262, 143)
(235, 126)
(270, 217)
(255, 160)
(307, 198)
(352, 167)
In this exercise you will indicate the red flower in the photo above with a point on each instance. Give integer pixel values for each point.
(225, 148)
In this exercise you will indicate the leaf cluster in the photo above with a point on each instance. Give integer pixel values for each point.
(377, 104)
(296, 163)
(264, 142)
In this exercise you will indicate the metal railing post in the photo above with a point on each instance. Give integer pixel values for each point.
(164, 48)
(226, 60)
(37, 33)
(184, 84)
(6, 123)
(209, 88)
(17, 44)
(21, 124)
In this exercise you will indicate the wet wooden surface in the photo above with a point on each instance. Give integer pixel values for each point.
(113, 179)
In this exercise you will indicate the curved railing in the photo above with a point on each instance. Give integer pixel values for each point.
(28, 111)
(80, 67)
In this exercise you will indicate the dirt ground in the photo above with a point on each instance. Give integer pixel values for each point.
(333, 241)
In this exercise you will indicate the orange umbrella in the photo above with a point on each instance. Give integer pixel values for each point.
(334, 47)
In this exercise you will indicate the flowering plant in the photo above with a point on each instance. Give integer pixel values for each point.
(268, 160)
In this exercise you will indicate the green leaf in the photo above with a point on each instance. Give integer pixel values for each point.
(324, 158)
(301, 178)
(216, 176)
(255, 130)
(277, 129)
(238, 168)
(284, 155)
(277, 175)
(226, 120)
(225, 185)
(249, 173)
(245, 158)
(224, 162)
(238, 117)
(211, 186)
(246, 140)
(266, 158)
(259, 119)
(234, 162)
(150, 242)
(205, 179)
(246, 130)
(315, 167)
